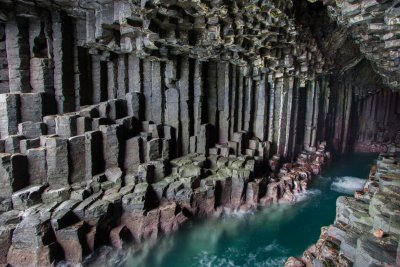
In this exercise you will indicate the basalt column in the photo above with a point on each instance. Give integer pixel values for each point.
(121, 120)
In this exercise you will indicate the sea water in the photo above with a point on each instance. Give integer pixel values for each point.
(262, 238)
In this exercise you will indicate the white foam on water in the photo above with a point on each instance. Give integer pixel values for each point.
(252, 259)
(347, 184)
(237, 213)
(302, 196)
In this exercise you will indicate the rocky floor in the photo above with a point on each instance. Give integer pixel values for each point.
(367, 226)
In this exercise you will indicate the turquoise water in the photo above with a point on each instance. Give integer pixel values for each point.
(264, 238)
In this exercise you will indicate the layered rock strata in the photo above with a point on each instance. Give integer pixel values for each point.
(366, 228)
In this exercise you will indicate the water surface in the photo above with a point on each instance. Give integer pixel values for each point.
(263, 238)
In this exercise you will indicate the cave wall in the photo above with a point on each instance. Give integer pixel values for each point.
(127, 117)
(363, 122)
(58, 59)
(379, 123)
(62, 61)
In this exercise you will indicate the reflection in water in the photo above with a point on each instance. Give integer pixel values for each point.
(264, 238)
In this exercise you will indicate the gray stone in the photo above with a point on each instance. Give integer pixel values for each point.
(32, 129)
(76, 158)
(133, 154)
(114, 175)
(57, 161)
(37, 168)
(56, 194)
(27, 197)
(111, 145)
(66, 125)
(13, 174)
(26, 144)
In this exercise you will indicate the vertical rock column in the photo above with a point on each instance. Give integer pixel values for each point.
(278, 112)
(96, 78)
(211, 93)
(198, 96)
(34, 106)
(271, 108)
(184, 102)
(347, 111)
(112, 78)
(315, 113)
(147, 80)
(94, 162)
(338, 124)
(295, 108)
(13, 174)
(239, 113)
(76, 158)
(260, 121)
(112, 145)
(289, 115)
(233, 101)
(57, 161)
(325, 109)
(157, 94)
(223, 101)
(172, 112)
(9, 114)
(37, 165)
(17, 46)
(63, 62)
(134, 79)
(41, 66)
(122, 76)
(309, 113)
(41, 75)
(4, 80)
(248, 104)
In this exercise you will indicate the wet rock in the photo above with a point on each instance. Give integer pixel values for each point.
(70, 238)
(120, 235)
(293, 262)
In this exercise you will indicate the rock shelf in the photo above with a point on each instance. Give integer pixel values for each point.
(366, 228)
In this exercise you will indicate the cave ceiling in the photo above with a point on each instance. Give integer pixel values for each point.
(281, 37)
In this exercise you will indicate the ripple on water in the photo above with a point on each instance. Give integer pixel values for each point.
(255, 258)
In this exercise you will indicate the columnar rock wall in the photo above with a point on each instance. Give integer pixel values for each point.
(379, 120)
(184, 70)
(366, 228)
(122, 119)
(363, 123)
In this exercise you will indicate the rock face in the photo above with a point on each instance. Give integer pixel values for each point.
(122, 119)
(53, 222)
(366, 228)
